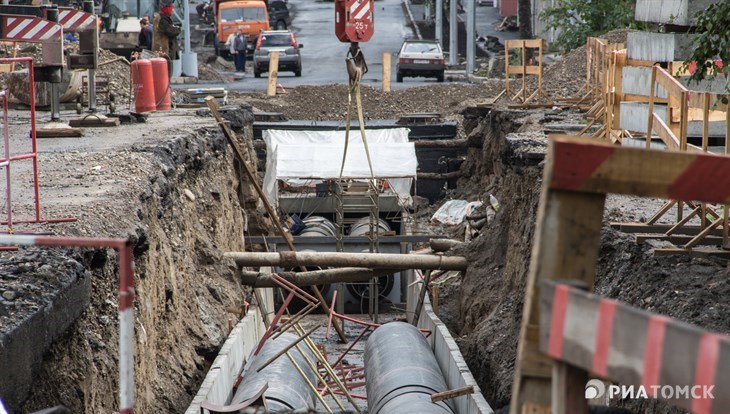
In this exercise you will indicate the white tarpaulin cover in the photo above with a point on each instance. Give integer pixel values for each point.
(318, 155)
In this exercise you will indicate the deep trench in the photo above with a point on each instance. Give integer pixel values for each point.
(505, 158)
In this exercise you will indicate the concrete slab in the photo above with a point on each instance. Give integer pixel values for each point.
(636, 80)
(659, 47)
(678, 12)
(634, 116)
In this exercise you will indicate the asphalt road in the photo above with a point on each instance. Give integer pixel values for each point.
(323, 55)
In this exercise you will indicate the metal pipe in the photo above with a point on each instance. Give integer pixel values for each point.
(288, 390)
(370, 260)
(440, 22)
(470, 35)
(453, 34)
(402, 372)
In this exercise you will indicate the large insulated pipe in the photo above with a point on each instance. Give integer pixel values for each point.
(402, 372)
(371, 260)
(288, 390)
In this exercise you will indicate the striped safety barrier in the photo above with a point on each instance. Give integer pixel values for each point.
(74, 20)
(662, 358)
(29, 29)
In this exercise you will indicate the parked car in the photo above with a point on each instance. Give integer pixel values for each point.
(279, 18)
(420, 58)
(282, 41)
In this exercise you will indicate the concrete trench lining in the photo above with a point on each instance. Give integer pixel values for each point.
(217, 387)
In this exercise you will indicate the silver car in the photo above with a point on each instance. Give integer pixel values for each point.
(420, 58)
(282, 41)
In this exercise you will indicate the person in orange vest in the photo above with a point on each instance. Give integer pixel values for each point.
(165, 34)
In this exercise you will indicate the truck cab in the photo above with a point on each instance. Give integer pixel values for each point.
(251, 16)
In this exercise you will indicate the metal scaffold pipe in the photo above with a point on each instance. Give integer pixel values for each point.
(365, 260)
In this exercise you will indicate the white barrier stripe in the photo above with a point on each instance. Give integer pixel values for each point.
(89, 21)
(126, 359)
(363, 11)
(31, 34)
(19, 28)
(22, 240)
(73, 19)
(50, 33)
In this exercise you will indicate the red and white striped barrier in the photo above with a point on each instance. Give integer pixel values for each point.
(29, 29)
(636, 348)
(74, 20)
(126, 300)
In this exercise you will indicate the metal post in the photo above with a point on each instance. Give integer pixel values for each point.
(470, 36)
(440, 22)
(453, 34)
(188, 60)
(55, 102)
(89, 8)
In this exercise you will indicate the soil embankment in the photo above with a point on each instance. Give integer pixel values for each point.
(178, 194)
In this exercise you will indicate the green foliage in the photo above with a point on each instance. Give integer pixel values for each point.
(580, 19)
(712, 43)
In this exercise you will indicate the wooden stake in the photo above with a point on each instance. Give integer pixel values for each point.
(273, 73)
(447, 395)
(386, 72)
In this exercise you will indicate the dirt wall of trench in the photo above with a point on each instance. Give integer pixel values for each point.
(183, 212)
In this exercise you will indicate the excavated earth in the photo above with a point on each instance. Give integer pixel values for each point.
(172, 186)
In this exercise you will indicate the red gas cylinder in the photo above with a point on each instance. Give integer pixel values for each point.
(162, 86)
(142, 81)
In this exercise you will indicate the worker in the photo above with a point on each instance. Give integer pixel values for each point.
(239, 43)
(144, 41)
(165, 33)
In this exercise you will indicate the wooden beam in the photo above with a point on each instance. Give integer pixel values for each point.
(273, 73)
(386, 72)
(597, 168)
(366, 260)
(634, 347)
(658, 229)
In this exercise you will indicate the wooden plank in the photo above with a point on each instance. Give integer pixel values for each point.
(679, 239)
(634, 347)
(667, 81)
(598, 168)
(664, 133)
(658, 229)
(518, 43)
(58, 132)
(273, 73)
(92, 121)
(528, 69)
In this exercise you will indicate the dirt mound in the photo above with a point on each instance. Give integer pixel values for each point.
(329, 102)
(566, 76)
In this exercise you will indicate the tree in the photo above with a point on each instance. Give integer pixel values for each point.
(576, 20)
(524, 15)
(711, 48)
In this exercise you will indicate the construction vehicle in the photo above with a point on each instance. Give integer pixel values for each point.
(120, 23)
(250, 16)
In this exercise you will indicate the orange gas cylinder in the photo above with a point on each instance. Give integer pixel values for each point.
(142, 81)
(162, 89)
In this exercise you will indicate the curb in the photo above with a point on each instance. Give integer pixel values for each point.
(412, 20)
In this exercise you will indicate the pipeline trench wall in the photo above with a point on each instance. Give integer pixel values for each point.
(175, 190)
